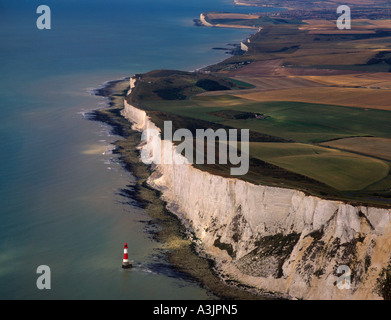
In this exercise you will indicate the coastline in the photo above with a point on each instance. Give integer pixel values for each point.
(178, 247)
(180, 243)
(182, 250)
(261, 237)
(203, 22)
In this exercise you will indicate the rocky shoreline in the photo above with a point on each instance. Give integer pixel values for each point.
(249, 241)
(268, 238)
(180, 243)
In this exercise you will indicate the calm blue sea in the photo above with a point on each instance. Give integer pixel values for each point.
(59, 182)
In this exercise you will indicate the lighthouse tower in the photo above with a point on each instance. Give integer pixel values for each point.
(125, 261)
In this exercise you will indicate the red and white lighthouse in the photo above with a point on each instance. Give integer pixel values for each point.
(125, 261)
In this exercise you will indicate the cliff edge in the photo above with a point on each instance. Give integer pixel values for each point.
(277, 240)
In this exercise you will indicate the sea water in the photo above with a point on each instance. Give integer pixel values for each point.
(60, 204)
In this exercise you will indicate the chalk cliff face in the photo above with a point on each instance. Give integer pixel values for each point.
(243, 46)
(275, 239)
(204, 22)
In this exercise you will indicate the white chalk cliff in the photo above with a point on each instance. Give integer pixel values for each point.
(275, 239)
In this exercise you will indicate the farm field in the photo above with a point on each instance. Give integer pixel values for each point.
(307, 123)
(359, 26)
(317, 102)
(366, 98)
(303, 122)
(329, 58)
(338, 169)
(380, 80)
(376, 147)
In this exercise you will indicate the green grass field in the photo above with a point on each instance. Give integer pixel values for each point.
(341, 170)
(298, 121)
(302, 122)
(285, 136)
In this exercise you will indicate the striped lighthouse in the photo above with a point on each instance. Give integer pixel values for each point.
(125, 261)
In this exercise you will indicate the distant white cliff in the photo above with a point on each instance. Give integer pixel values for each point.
(204, 22)
(243, 46)
(275, 239)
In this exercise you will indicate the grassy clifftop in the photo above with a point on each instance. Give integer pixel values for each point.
(177, 85)
(316, 100)
(277, 160)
